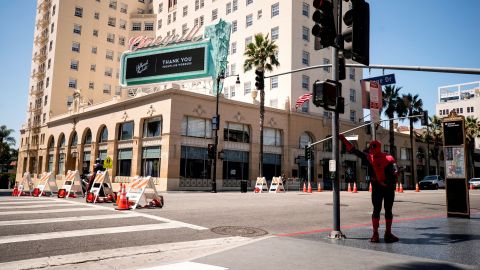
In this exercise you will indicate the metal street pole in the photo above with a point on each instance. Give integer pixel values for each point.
(336, 233)
(309, 164)
(214, 173)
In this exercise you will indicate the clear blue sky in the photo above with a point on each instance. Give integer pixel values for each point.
(407, 32)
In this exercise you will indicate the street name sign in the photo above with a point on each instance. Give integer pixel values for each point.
(383, 80)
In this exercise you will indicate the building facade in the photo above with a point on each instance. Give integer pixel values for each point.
(79, 112)
(464, 99)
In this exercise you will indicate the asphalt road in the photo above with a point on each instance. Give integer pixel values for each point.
(190, 224)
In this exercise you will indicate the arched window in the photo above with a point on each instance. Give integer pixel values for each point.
(51, 144)
(104, 135)
(74, 139)
(88, 137)
(305, 139)
(62, 141)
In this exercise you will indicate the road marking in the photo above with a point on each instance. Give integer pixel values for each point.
(47, 211)
(24, 199)
(86, 232)
(186, 265)
(25, 202)
(129, 253)
(33, 206)
(64, 219)
(178, 223)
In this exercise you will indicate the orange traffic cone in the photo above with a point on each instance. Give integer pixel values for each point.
(319, 187)
(355, 187)
(15, 190)
(349, 189)
(370, 187)
(417, 188)
(304, 187)
(401, 188)
(123, 203)
(397, 189)
(119, 194)
(309, 187)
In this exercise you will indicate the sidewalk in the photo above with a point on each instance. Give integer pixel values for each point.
(437, 243)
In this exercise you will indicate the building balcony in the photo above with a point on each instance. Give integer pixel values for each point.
(43, 23)
(39, 75)
(45, 5)
(143, 16)
(41, 39)
(35, 109)
(37, 92)
(40, 58)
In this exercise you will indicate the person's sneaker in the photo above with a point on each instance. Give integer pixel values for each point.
(390, 238)
(375, 238)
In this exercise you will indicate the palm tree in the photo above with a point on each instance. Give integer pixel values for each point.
(390, 103)
(412, 105)
(261, 55)
(437, 137)
(427, 138)
(6, 141)
(472, 130)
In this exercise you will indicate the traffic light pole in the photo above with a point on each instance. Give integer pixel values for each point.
(336, 233)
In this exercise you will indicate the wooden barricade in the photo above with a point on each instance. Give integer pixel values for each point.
(72, 184)
(101, 182)
(25, 185)
(142, 191)
(261, 185)
(276, 185)
(47, 183)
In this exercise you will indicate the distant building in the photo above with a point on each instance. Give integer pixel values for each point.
(464, 99)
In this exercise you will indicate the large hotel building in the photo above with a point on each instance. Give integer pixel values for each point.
(78, 111)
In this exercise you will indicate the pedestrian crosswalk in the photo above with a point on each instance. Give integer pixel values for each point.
(42, 222)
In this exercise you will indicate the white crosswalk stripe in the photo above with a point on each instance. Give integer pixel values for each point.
(33, 206)
(85, 232)
(47, 211)
(25, 202)
(64, 219)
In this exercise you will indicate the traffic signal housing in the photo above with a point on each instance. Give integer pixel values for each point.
(324, 28)
(325, 95)
(211, 151)
(357, 34)
(424, 119)
(308, 153)
(260, 79)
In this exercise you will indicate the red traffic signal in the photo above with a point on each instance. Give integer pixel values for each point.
(211, 151)
(357, 33)
(324, 28)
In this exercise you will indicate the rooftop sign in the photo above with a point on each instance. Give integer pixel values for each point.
(176, 62)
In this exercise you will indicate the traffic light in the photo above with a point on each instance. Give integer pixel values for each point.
(357, 33)
(341, 69)
(260, 79)
(324, 28)
(211, 151)
(424, 119)
(308, 152)
(325, 95)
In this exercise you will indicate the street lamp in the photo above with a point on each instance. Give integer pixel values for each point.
(216, 126)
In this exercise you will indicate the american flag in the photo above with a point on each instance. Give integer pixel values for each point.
(302, 99)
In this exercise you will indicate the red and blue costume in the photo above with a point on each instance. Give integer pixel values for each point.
(383, 174)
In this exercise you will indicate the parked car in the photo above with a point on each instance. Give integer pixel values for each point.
(432, 182)
(475, 182)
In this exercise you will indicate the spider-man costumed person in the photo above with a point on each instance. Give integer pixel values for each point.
(383, 172)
